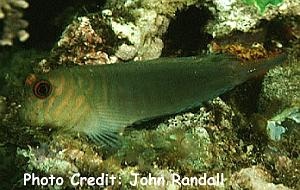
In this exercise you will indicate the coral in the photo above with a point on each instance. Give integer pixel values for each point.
(254, 178)
(280, 89)
(124, 30)
(65, 156)
(232, 15)
(14, 25)
(280, 104)
(38, 161)
(80, 44)
(275, 127)
(144, 25)
(133, 30)
(170, 145)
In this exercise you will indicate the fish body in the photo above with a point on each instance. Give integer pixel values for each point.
(102, 100)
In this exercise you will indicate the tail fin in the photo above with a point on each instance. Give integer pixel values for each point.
(261, 66)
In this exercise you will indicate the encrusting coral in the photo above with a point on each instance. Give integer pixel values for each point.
(232, 15)
(254, 178)
(14, 25)
(124, 30)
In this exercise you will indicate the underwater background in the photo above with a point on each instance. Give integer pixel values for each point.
(250, 133)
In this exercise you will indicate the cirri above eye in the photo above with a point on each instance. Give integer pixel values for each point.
(42, 89)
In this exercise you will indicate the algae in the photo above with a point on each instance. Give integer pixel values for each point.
(262, 4)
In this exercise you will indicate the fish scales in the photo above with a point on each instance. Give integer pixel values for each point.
(101, 101)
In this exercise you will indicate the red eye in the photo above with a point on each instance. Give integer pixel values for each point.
(42, 89)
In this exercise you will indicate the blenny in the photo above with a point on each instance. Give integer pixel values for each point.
(102, 100)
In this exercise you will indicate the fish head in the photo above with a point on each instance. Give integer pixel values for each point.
(47, 100)
(60, 100)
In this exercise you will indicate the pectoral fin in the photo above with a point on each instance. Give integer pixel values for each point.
(107, 129)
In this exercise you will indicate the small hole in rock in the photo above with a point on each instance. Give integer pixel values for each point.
(186, 34)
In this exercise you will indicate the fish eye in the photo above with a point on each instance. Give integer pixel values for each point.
(42, 89)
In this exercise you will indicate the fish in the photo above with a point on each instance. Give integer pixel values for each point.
(100, 101)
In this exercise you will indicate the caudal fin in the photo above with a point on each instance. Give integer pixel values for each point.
(261, 66)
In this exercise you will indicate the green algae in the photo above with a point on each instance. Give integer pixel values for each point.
(262, 4)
